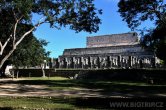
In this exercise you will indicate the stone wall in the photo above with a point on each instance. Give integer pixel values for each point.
(112, 40)
(106, 61)
(105, 50)
(158, 75)
(109, 51)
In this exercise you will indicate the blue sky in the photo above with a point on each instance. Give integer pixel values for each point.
(65, 38)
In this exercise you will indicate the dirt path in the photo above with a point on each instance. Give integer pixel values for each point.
(42, 90)
(9, 89)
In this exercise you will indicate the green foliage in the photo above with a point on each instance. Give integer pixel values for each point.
(80, 15)
(156, 41)
(30, 52)
(134, 12)
(6, 27)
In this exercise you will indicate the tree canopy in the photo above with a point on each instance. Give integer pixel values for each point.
(134, 12)
(79, 15)
(29, 53)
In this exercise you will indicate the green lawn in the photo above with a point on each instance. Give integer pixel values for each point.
(60, 83)
(53, 103)
(34, 103)
(106, 87)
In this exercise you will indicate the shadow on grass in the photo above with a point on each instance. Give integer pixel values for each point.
(107, 88)
(79, 103)
(6, 108)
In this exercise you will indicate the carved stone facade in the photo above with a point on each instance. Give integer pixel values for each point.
(108, 51)
(113, 40)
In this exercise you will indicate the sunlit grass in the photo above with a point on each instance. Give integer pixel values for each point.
(39, 103)
(68, 103)
(45, 78)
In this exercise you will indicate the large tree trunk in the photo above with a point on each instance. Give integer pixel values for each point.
(13, 42)
(6, 57)
(43, 71)
(3, 68)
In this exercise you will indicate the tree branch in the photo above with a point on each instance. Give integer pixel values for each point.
(1, 48)
(4, 45)
(28, 32)
(0, 45)
(14, 32)
(6, 57)
(15, 44)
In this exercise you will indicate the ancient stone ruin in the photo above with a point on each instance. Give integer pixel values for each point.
(109, 51)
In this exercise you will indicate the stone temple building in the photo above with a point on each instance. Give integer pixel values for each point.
(108, 51)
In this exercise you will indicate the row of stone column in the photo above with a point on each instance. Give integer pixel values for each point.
(105, 62)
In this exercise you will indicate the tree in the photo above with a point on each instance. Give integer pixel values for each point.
(134, 12)
(29, 53)
(79, 15)
(156, 41)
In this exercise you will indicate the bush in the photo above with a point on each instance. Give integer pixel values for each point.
(158, 76)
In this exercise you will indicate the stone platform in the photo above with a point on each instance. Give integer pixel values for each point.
(109, 51)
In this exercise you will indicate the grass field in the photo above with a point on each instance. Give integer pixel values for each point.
(103, 87)
(35, 103)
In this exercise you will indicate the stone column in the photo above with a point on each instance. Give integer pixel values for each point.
(111, 62)
(145, 62)
(101, 62)
(126, 62)
(60, 63)
(79, 63)
(98, 62)
(72, 62)
(141, 63)
(51, 63)
(92, 62)
(149, 62)
(108, 62)
(137, 62)
(123, 62)
(76, 62)
(130, 61)
(69, 62)
(64, 63)
(116, 62)
(119, 61)
(104, 63)
(89, 62)
(133, 61)
(56, 63)
(153, 62)
(83, 63)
